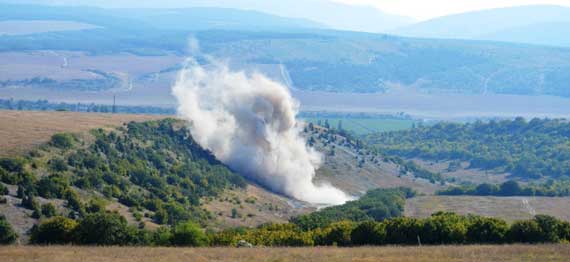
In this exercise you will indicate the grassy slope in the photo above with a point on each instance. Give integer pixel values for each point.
(21, 131)
(507, 208)
(328, 254)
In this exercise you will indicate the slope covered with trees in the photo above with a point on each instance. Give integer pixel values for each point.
(155, 168)
(527, 149)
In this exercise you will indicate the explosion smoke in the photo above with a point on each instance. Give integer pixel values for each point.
(248, 122)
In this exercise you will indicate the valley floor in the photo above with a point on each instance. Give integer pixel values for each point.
(432, 253)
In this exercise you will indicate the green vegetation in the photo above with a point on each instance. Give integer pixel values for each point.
(44, 105)
(154, 166)
(527, 149)
(378, 204)
(440, 228)
(552, 188)
(7, 233)
(63, 141)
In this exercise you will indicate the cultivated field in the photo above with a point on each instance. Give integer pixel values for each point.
(400, 254)
(362, 126)
(21, 131)
(507, 208)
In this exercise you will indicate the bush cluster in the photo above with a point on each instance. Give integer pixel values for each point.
(108, 229)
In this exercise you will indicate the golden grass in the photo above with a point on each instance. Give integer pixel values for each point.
(364, 254)
(21, 131)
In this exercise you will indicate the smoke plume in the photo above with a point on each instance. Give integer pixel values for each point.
(248, 122)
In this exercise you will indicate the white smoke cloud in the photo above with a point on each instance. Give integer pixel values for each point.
(248, 122)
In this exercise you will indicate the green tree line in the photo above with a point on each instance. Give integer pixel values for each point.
(552, 188)
(442, 228)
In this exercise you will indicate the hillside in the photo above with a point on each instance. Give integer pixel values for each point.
(323, 12)
(541, 24)
(22, 131)
(528, 150)
(507, 208)
(313, 61)
(185, 19)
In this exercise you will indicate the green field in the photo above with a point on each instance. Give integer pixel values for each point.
(363, 126)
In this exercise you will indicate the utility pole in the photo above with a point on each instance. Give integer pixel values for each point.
(114, 105)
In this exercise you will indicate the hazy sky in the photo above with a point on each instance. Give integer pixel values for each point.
(425, 9)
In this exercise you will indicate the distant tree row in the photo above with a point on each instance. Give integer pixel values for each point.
(439, 229)
(552, 188)
(528, 149)
(442, 228)
(45, 105)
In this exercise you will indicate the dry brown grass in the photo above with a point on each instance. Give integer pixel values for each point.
(365, 254)
(21, 131)
(508, 208)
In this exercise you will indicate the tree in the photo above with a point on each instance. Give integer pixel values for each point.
(189, 234)
(403, 230)
(526, 231)
(369, 233)
(487, 230)
(338, 233)
(63, 141)
(103, 229)
(510, 188)
(444, 228)
(48, 210)
(57, 230)
(486, 189)
(550, 227)
(7, 233)
(3, 190)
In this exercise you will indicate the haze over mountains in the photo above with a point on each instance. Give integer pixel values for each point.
(136, 53)
(330, 14)
(545, 25)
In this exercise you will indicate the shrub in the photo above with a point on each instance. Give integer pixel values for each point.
(57, 230)
(444, 228)
(338, 233)
(15, 165)
(188, 234)
(63, 141)
(487, 230)
(526, 231)
(7, 233)
(369, 233)
(48, 210)
(3, 190)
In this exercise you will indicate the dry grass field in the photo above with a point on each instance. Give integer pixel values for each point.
(508, 208)
(21, 131)
(401, 254)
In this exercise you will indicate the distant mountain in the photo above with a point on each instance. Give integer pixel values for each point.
(335, 15)
(535, 24)
(554, 33)
(187, 19)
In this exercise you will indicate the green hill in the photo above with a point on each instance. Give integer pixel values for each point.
(526, 149)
